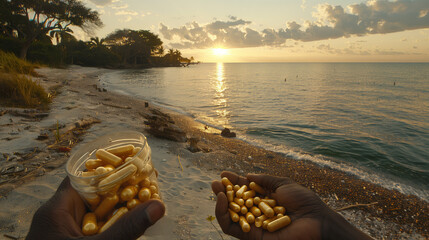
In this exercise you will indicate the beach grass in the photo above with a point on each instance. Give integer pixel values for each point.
(17, 88)
(9, 63)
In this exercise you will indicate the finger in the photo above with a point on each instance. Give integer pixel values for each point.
(223, 218)
(268, 182)
(234, 178)
(217, 187)
(134, 223)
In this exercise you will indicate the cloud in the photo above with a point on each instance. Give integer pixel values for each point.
(127, 13)
(373, 17)
(103, 2)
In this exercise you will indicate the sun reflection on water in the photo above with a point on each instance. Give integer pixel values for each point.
(220, 101)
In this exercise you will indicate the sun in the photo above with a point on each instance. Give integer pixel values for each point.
(220, 51)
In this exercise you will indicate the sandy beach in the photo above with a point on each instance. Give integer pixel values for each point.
(32, 165)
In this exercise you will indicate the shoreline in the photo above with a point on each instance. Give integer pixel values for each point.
(395, 215)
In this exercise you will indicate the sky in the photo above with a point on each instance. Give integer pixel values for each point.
(277, 30)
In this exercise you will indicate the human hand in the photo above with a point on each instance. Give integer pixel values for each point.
(311, 217)
(61, 218)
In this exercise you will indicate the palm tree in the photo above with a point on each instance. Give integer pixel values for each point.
(97, 42)
(60, 32)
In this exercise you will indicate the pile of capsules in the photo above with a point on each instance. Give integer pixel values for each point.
(132, 182)
(247, 205)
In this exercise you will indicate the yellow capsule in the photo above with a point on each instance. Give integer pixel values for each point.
(133, 203)
(155, 196)
(279, 209)
(136, 150)
(234, 216)
(250, 218)
(270, 202)
(249, 203)
(89, 224)
(153, 188)
(230, 196)
(260, 220)
(256, 200)
(278, 223)
(108, 157)
(279, 215)
(121, 211)
(248, 194)
(239, 201)
(93, 201)
(106, 206)
(91, 164)
(245, 226)
(255, 211)
(128, 193)
(88, 173)
(240, 191)
(123, 175)
(236, 187)
(122, 151)
(144, 194)
(243, 210)
(229, 188)
(145, 183)
(234, 207)
(226, 182)
(109, 167)
(266, 209)
(100, 170)
(257, 188)
(136, 179)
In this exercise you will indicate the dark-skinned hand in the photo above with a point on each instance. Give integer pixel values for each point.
(61, 218)
(311, 217)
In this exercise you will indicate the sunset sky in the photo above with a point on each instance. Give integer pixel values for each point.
(278, 30)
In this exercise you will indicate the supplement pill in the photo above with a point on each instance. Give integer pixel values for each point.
(91, 164)
(239, 201)
(278, 223)
(226, 182)
(249, 203)
(121, 211)
(255, 211)
(257, 188)
(250, 218)
(248, 194)
(230, 196)
(234, 216)
(266, 209)
(144, 194)
(234, 207)
(279, 209)
(106, 206)
(108, 157)
(128, 193)
(240, 191)
(89, 224)
(244, 224)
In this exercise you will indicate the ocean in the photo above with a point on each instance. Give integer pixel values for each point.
(367, 119)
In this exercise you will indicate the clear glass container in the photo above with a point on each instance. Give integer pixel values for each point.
(136, 170)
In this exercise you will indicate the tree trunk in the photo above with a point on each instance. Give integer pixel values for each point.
(24, 49)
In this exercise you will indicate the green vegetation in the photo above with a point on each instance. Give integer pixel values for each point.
(16, 88)
(9, 63)
(40, 31)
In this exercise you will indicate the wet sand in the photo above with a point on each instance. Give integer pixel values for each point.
(34, 168)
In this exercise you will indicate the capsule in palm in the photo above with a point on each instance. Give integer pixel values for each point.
(89, 224)
(278, 223)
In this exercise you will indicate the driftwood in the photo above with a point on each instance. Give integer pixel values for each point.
(356, 205)
(161, 125)
(116, 106)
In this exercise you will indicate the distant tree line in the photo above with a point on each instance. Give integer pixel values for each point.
(39, 30)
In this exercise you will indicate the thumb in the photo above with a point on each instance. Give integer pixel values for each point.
(268, 182)
(134, 223)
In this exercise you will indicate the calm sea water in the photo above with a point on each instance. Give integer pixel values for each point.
(368, 119)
